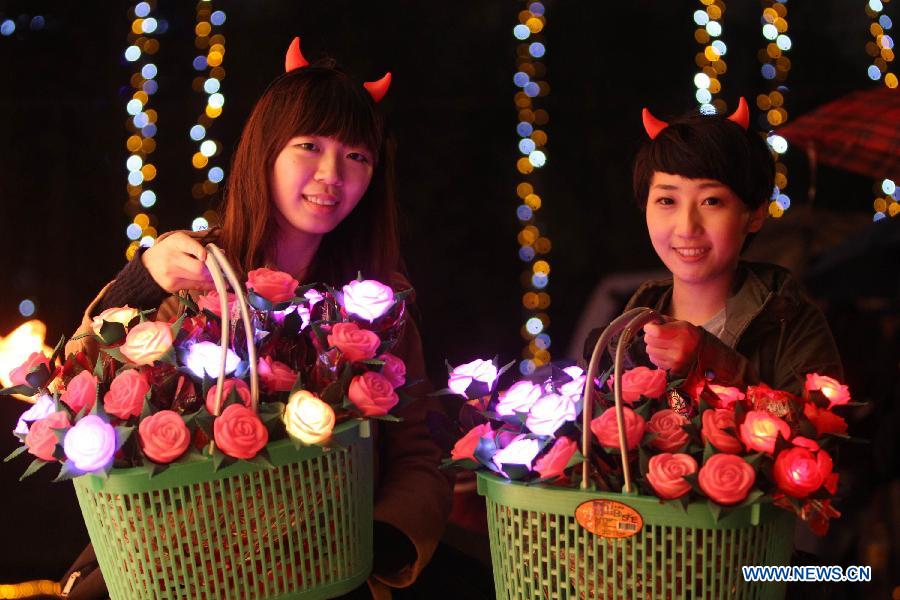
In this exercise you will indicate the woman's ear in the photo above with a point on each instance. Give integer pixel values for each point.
(757, 218)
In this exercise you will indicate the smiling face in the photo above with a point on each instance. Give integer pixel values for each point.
(697, 227)
(317, 181)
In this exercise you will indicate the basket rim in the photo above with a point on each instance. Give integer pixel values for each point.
(564, 501)
(133, 480)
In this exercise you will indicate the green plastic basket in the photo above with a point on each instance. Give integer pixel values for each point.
(300, 530)
(540, 549)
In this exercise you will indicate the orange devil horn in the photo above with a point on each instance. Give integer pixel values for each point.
(377, 89)
(294, 58)
(651, 124)
(741, 115)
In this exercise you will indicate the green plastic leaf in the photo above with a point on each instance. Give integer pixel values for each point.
(715, 510)
(115, 354)
(15, 453)
(33, 468)
(25, 390)
(388, 418)
(188, 302)
(68, 471)
(262, 459)
(123, 432)
(111, 332)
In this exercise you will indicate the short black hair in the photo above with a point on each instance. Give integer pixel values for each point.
(699, 146)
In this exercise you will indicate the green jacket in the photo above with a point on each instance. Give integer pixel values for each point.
(772, 333)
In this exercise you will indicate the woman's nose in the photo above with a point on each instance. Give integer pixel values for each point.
(688, 222)
(328, 170)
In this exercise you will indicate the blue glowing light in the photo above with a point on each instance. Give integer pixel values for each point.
(208, 148)
(878, 216)
(526, 367)
(701, 17)
(783, 201)
(135, 178)
(714, 28)
(720, 47)
(140, 120)
(216, 174)
(148, 130)
(134, 163)
(9, 27)
(216, 100)
(26, 308)
(199, 224)
(147, 241)
(887, 42)
(885, 22)
(778, 143)
(524, 129)
(133, 231)
(874, 73)
(537, 158)
(149, 25)
(148, 198)
(132, 53)
(876, 5)
(707, 109)
(536, 8)
(768, 71)
(150, 86)
(211, 85)
(198, 132)
(37, 23)
(526, 254)
(540, 280)
(783, 42)
(703, 96)
(217, 18)
(542, 341)
(526, 146)
(523, 212)
(148, 71)
(534, 326)
(199, 63)
(531, 89)
(536, 49)
(769, 31)
(888, 187)
(521, 32)
(163, 26)
(134, 106)
(521, 78)
(142, 9)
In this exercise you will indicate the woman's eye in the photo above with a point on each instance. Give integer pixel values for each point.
(358, 157)
(307, 146)
(712, 201)
(665, 201)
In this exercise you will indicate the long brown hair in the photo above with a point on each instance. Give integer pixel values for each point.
(314, 100)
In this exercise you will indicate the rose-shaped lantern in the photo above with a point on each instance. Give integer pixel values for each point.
(606, 429)
(641, 381)
(238, 432)
(125, 398)
(164, 436)
(147, 342)
(367, 299)
(549, 412)
(307, 418)
(668, 427)
(666, 472)
(726, 478)
(372, 394)
(205, 358)
(836, 392)
(274, 286)
(760, 430)
(90, 444)
(463, 375)
(354, 343)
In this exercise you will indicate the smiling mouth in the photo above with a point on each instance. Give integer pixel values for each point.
(321, 200)
(691, 252)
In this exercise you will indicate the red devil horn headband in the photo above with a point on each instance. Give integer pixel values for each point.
(653, 126)
(294, 60)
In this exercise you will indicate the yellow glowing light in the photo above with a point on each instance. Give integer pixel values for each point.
(763, 102)
(539, 137)
(530, 300)
(887, 54)
(720, 67)
(714, 12)
(533, 201)
(894, 208)
(773, 50)
(214, 59)
(880, 205)
(541, 266)
(136, 80)
(780, 10)
(774, 117)
(715, 86)
(890, 80)
(217, 39)
(542, 245)
(875, 29)
(151, 46)
(141, 96)
(133, 143)
(770, 15)
(149, 172)
(137, 26)
(781, 180)
(711, 53)
(19, 345)
(781, 25)
(541, 116)
(202, 29)
(534, 25)
(775, 210)
(142, 219)
(131, 250)
(220, 48)
(543, 300)
(523, 189)
(702, 36)
(151, 115)
(213, 112)
(210, 187)
(199, 161)
(148, 145)
(524, 165)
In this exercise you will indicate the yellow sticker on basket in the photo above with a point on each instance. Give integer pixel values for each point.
(608, 518)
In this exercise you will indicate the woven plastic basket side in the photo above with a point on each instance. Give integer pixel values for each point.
(302, 530)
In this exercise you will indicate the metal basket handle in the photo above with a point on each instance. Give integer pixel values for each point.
(217, 263)
(627, 323)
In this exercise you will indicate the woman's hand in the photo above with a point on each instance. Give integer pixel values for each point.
(672, 345)
(178, 263)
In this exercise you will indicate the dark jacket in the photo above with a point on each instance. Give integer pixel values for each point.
(773, 334)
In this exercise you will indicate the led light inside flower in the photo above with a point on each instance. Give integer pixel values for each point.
(40, 409)
(90, 444)
(206, 357)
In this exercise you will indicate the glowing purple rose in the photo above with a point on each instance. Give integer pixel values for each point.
(576, 386)
(478, 370)
(313, 296)
(207, 357)
(520, 451)
(40, 409)
(301, 310)
(549, 412)
(368, 299)
(518, 398)
(90, 444)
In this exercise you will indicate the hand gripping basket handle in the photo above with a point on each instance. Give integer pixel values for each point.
(627, 323)
(217, 263)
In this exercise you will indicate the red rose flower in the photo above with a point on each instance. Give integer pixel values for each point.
(393, 369)
(714, 421)
(213, 303)
(606, 430)
(666, 473)
(372, 394)
(667, 424)
(727, 396)
(801, 470)
(274, 286)
(239, 432)
(760, 430)
(17, 375)
(836, 392)
(41, 439)
(275, 376)
(824, 420)
(726, 478)
(164, 436)
(125, 397)
(354, 343)
(238, 385)
(640, 381)
(553, 464)
(466, 445)
(81, 392)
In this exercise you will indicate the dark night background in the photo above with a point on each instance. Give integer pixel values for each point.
(62, 179)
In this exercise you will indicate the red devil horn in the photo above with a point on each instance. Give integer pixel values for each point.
(651, 124)
(377, 89)
(294, 58)
(741, 115)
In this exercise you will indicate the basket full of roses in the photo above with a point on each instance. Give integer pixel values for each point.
(666, 493)
(225, 453)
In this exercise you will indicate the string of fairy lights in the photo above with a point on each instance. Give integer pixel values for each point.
(534, 245)
(141, 123)
(708, 34)
(881, 49)
(774, 69)
(210, 44)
